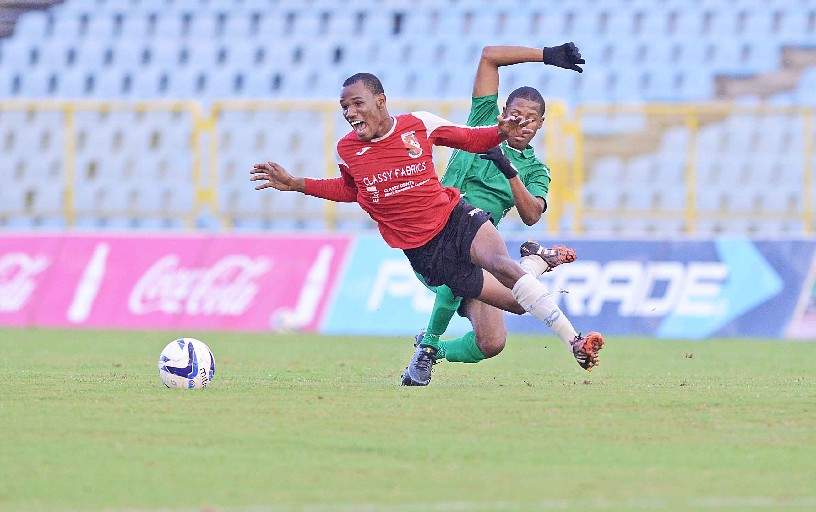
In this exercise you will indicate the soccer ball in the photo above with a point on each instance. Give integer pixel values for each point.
(186, 363)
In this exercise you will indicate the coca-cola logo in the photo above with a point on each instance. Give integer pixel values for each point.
(227, 287)
(17, 279)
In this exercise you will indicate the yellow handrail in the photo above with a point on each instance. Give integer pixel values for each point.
(69, 141)
(331, 164)
(692, 125)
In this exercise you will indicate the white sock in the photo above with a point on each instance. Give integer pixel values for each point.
(536, 300)
(534, 265)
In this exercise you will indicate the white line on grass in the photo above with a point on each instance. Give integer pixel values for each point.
(710, 502)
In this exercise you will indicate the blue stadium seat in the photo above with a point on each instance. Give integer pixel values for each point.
(203, 26)
(672, 197)
(100, 27)
(239, 26)
(169, 25)
(806, 90)
(794, 28)
(653, 23)
(32, 26)
(135, 26)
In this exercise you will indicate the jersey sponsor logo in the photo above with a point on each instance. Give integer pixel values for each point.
(399, 172)
(362, 151)
(402, 187)
(409, 139)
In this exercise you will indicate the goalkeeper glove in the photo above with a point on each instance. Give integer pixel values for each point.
(566, 56)
(498, 158)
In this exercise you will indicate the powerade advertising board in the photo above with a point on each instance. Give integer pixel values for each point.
(680, 289)
(667, 289)
(378, 293)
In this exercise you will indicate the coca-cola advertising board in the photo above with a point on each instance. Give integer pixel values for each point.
(252, 283)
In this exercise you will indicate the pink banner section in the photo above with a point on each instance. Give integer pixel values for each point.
(248, 283)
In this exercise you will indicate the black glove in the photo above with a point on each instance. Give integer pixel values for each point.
(496, 156)
(565, 56)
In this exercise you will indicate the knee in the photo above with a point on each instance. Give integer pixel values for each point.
(491, 345)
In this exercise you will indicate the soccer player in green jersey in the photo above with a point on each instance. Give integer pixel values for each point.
(508, 175)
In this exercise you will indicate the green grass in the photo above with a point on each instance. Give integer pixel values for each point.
(307, 423)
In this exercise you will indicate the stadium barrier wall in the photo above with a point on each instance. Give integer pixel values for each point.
(356, 285)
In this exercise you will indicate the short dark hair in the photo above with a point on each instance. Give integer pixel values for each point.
(527, 93)
(371, 82)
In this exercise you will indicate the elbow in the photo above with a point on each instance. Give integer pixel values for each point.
(530, 217)
(489, 54)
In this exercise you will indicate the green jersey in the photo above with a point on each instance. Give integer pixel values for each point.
(480, 181)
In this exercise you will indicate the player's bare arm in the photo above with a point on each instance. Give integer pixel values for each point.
(273, 175)
(487, 73)
(529, 206)
(486, 83)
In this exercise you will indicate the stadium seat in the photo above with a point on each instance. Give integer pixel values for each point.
(203, 26)
(100, 27)
(32, 26)
(794, 28)
(169, 26)
(806, 89)
(652, 23)
(135, 26)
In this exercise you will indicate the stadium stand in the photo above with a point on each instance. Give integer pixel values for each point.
(642, 171)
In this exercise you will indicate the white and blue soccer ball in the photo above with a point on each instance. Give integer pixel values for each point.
(186, 363)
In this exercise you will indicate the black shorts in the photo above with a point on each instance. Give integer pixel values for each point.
(445, 259)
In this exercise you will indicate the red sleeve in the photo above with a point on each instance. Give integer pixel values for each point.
(467, 138)
(341, 190)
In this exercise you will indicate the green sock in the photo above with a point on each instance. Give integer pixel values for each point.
(445, 305)
(461, 350)
(432, 340)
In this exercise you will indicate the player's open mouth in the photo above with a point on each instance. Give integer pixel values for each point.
(358, 126)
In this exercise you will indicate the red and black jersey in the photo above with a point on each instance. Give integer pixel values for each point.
(393, 177)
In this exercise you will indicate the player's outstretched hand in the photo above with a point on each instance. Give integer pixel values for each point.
(513, 126)
(496, 156)
(273, 175)
(566, 56)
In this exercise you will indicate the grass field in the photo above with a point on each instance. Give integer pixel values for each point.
(307, 423)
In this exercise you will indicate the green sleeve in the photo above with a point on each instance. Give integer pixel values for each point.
(483, 110)
(537, 180)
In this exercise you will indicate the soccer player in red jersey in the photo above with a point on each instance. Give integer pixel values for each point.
(386, 166)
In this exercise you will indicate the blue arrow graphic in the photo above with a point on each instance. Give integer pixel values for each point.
(750, 282)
